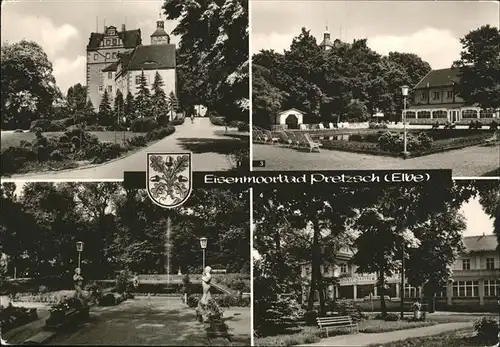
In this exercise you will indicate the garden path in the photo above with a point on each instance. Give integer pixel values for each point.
(362, 339)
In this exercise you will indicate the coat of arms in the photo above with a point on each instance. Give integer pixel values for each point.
(169, 178)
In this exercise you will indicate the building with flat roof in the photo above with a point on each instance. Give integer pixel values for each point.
(475, 279)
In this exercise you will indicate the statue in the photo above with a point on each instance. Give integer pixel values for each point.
(206, 278)
(78, 282)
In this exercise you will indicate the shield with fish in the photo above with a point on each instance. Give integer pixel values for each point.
(169, 178)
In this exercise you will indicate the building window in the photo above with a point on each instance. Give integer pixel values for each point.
(435, 96)
(108, 55)
(95, 57)
(469, 114)
(100, 88)
(114, 42)
(411, 292)
(110, 75)
(423, 96)
(138, 79)
(465, 264)
(114, 55)
(110, 89)
(466, 289)
(491, 287)
(308, 271)
(490, 263)
(486, 113)
(449, 94)
(410, 114)
(424, 114)
(108, 42)
(343, 268)
(439, 114)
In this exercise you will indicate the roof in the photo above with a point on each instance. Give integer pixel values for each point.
(151, 57)
(111, 67)
(480, 243)
(159, 32)
(130, 38)
(436, 78)
(292, 109)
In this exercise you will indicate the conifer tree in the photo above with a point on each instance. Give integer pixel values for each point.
(173, 103)
(105, 116)
(143, 97)
(118, 107)
(129, 108)
(159, 100)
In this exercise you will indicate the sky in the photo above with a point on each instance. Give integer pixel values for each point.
(431, 29)
(63, 28)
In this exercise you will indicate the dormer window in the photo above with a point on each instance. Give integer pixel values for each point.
(108, 42)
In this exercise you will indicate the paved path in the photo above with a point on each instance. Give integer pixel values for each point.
(381, 338)
(136, 322)
(467, 162)
(205, 140)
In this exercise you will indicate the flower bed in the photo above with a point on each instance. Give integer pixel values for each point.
(69, 311)
(211, 314)
(113, 299)
(50, 297)
(221, 300)
(12, 317)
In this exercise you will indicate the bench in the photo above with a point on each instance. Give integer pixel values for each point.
(336, 322)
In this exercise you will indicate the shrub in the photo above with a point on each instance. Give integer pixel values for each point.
(108, 299)
(215, 120)
(104, 151)
(145, 124)
(45, 125)
(95, 128)
(64, 122)
(123, 283)
(43, 289)
(274, 316)
(348, 308)
(486, 328)
(13, 158)
(374, 125)
(394, 142)
(56, 155)
(493, 125)
(391, 317)
(178, 121)
(160, 133)
(310, 317)
(137, 141)
(192, 300)
(186, 284)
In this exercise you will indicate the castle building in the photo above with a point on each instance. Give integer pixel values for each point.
(128, 60)
(435, 100)
(475, 279)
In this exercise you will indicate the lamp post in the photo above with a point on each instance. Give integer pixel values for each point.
(203, 245)
(79, 248)
(404, 92)
(402, 291)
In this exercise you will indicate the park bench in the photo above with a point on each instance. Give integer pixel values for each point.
(324, 323)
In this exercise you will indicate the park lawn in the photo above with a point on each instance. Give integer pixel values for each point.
(457, 338)
(313, 334)
(11, 139)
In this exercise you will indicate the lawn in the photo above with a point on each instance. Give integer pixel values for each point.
(457, 338)
(313, 334)
(10, 138)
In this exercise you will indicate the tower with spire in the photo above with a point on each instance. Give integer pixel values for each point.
(326, 44)
(160, 36)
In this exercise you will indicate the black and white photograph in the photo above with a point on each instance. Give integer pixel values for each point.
(96, 264)
(347, 85)
(89, 87)
(385, 266)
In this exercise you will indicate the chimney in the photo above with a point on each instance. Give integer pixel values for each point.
(123, 27)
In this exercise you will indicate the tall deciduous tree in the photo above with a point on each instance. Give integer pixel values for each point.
(27, 84)
(76, 97)
(479, 68)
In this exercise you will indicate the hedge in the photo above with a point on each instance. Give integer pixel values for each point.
(222, 300)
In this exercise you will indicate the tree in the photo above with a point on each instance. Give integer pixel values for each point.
(105, 115)
(159, 100)
(89, 114)
(118, 106)
(356, 111)
(173, 104)
(28, 87)
(267, 99)
(129, 108)
(76, 97)
(479, 66)
(142, 103)
(213, 54)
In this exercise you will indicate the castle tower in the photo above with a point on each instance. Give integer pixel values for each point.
(160, 36)
(326, 44)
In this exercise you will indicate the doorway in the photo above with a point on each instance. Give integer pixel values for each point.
(292, 122)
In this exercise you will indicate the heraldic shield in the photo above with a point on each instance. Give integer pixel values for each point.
(169, 178)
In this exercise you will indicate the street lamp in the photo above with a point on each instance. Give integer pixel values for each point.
(79, 249)
(404, 92)
(203, 245)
